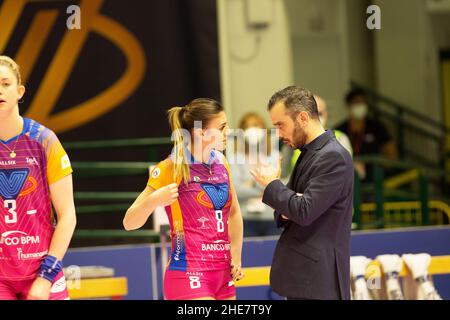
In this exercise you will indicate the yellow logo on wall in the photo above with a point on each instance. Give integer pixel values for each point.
(65, 58)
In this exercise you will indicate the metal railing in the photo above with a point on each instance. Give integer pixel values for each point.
(416, 202)
(419, 138)
(405, 214)
(108, 202)
(380, 213)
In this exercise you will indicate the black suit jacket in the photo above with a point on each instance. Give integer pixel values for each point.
(312, 257)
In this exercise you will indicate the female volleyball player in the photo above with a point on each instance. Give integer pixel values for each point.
(194, 186)
(34, 172)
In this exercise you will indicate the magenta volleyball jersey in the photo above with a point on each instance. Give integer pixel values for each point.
(199, 218)
(26, 219)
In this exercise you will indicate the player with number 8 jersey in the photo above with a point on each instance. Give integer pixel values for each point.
(199, 216)
(195, 187)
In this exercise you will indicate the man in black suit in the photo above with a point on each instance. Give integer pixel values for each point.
(312, 257)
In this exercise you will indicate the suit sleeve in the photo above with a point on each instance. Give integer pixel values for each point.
(321, 191)
(279, 220)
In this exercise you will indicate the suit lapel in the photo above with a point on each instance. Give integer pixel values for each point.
(308, 155)
(293, 173)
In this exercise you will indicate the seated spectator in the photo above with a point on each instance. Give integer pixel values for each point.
(368, 136)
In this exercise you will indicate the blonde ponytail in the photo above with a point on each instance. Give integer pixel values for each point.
(180, 165)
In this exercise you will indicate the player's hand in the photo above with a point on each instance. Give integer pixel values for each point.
(40, 289)
(166, 195)
(236, 271)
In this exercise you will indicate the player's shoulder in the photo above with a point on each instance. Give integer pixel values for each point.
(165, 168)
(165, 164)
(38, 132)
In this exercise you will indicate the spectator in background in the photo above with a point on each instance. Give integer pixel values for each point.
(252, 148)
(290, 156)
(367, 135)
(254, 128)
(323, 117)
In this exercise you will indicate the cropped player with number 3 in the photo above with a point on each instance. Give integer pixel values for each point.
(35, 172)
(194, 186)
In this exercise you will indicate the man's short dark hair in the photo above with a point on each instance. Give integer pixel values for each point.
(296, 99)
(352, 94)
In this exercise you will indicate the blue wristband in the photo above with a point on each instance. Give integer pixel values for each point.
(50, 268)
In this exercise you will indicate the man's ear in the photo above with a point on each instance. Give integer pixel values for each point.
(21, 91)
(302, 118)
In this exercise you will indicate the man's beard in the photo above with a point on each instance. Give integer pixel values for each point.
(298, 137)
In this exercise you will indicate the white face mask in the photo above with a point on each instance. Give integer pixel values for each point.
(359, 111)
(254, 135)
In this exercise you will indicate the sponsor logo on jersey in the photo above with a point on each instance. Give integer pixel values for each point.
(15, 238)
(219, 245)
(12, 182)
(155, 173)
(30, 256)
(7, 163)
(179, 250)
(217, 193)
(32, 161)
(202, 220)
(194, 273)
(65, 162)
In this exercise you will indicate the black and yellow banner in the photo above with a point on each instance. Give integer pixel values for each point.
(115, 76)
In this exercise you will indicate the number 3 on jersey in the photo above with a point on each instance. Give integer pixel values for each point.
(11, 215)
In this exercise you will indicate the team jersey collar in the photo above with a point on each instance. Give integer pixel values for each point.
(192, 160)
